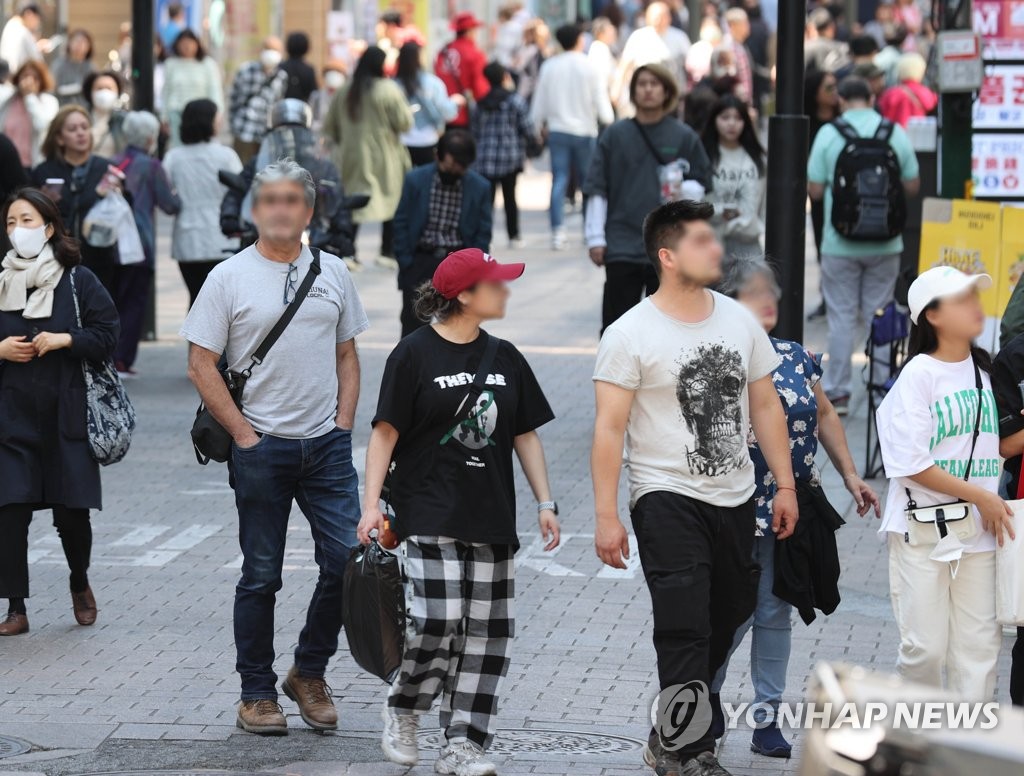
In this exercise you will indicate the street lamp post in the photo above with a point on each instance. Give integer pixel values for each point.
(786, 217)
(142, 99)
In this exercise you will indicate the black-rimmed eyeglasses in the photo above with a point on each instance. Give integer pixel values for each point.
(289, 283)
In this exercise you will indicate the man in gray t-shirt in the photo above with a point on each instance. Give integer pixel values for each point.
(292, 435)
(639, 164)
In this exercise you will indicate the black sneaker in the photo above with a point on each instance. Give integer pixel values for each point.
(817, 312)
(664, 762)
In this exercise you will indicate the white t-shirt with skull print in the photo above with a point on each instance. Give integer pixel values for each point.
(687, 429)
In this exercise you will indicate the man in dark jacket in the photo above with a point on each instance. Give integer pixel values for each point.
(445, 206)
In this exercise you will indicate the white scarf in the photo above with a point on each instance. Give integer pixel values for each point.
(19, 275)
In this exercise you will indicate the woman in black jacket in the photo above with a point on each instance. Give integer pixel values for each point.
(76, 178)
(45, 461)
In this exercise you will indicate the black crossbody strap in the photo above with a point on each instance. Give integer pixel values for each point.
(977, 419)
(484, 369)
(650, 144)
(289, 313)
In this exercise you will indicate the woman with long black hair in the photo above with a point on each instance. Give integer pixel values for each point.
(455, 402)
(738, 167)
(45, 461)
(939, 432)
(429, 102)
(364, 123)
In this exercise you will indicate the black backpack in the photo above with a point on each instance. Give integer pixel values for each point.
(868, 201)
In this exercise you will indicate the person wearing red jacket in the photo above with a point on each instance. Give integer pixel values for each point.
(460, 64)
(910, 97)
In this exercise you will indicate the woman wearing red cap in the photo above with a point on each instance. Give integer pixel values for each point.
(454, 404)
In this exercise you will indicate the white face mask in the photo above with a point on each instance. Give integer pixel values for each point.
(270, 58)
(334, 80)
(28, 242)
(948, 550)
(105, 99)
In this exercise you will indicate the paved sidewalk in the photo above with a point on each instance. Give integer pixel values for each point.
(152, 686)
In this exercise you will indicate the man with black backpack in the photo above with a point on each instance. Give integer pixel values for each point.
(864, 167)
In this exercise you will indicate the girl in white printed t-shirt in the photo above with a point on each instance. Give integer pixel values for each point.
(938, 429)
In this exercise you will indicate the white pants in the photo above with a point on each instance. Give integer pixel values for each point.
(945, 622)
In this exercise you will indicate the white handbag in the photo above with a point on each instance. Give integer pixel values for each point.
(1010, 572)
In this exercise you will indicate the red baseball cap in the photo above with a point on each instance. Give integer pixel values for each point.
(464, 269)
(465, 20)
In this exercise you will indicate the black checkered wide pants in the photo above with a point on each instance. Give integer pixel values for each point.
(459, 596)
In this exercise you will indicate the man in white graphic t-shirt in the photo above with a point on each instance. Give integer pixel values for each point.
(679, 380)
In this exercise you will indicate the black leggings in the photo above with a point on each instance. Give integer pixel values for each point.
(508, 193)
(75, 533)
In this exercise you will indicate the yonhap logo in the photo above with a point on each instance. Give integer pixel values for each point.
(681, 714)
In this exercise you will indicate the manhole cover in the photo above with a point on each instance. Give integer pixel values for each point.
(11, 747)
(552, 742)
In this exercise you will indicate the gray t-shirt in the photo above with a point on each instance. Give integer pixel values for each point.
(625, 172)
(294, 392)
(687, 428)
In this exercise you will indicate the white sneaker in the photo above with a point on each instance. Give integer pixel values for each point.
(353, 264)
(517, 243)
(399, 738)
(558, 240)
(463, 758)
(386, 262)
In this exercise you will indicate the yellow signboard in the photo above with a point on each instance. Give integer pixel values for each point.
(1011, 261)
(964, 234)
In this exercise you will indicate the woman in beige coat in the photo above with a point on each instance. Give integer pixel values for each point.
(364, 122)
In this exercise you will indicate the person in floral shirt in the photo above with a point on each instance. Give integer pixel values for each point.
(810, 418)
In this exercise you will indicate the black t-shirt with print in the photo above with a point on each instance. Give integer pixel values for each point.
(453, 475)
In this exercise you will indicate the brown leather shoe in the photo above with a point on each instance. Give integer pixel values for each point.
(14, 624)
(313, 697)
(84, 605)
(263, 717)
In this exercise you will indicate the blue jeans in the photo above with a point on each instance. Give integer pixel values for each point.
(569, 154)
(770, 645)
(319, 475)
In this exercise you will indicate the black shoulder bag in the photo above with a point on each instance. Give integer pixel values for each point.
(209, 438)
(927, 525)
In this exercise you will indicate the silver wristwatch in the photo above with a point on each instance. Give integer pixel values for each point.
(552, 505)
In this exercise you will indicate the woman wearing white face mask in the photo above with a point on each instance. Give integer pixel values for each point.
(335, 76)
(45, 462)
(102, 92)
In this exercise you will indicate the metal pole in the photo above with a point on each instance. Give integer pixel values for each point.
(955, 120)
(786, 216)
(142, 99)
(696, 9)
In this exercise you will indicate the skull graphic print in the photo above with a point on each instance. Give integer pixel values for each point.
(709, 387)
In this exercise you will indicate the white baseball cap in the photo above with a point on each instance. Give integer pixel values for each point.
(939, 283)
